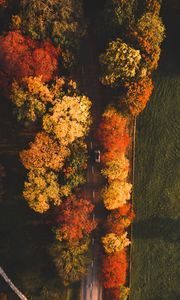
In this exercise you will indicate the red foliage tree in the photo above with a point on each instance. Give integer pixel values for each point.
(126, 210)
(22, 57)
(73, 218)
(113, 135)
(114, 267)
(2, 2)
(119, 219)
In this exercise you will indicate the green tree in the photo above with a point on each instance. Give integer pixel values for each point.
(71, 262)
(119, 62)
(62, 21)
(30, 98)
(76, 164)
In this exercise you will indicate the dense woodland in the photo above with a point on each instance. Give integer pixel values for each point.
(50, 116)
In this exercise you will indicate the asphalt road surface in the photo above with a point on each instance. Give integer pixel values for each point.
(91, 285)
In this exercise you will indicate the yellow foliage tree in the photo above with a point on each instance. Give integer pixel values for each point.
(69, 118)
(116, 169)
(116, 194)
(114, 243)
(119, 62)
(32, 95)
(41, 190)
(45, 152)
(30, 98)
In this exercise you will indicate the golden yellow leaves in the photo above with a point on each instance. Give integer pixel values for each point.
(151, 24)
(116, 194)
(114, 243)
(31, 98)
(69, 119)
(66, 119)
(16, 22)
(41, 190)
(120, 61)
(116, 169)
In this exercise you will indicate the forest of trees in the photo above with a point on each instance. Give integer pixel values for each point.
(40, 43)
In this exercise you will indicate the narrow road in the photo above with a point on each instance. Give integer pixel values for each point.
(91, 285)
(89, 78)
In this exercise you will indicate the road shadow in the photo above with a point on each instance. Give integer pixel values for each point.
(156, 227)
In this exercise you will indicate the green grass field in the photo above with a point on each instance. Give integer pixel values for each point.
(155, 248)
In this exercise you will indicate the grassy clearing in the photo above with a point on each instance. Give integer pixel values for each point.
(157, 183)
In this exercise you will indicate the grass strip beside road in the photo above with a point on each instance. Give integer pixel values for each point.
(157, 183)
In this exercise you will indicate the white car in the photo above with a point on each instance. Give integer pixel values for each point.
(97, 156)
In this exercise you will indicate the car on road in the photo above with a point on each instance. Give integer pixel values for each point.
(97, 156)
(91, 286)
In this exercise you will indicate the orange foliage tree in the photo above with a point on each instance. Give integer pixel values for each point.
(22, 57)
(119, 219)
(112, 134)
(45, 152)
(114, 268)
(74, 220)
(148, 35)
(138, 94)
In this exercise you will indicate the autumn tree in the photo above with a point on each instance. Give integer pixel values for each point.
(21, 57)
(114, 243)
(61, 21)
(74, 170)
(116, 169)
(114, 268)
(60, 147)
(42, 190)
(147, 35)
(116, 194)
(68, 119)
(71, 262)
(119, 219)
(137, 95)
(74, 219)
(119, 62)
(44, 152)
(112, 134)
(30, 98)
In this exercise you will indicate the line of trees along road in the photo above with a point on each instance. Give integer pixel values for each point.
(38, 57)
